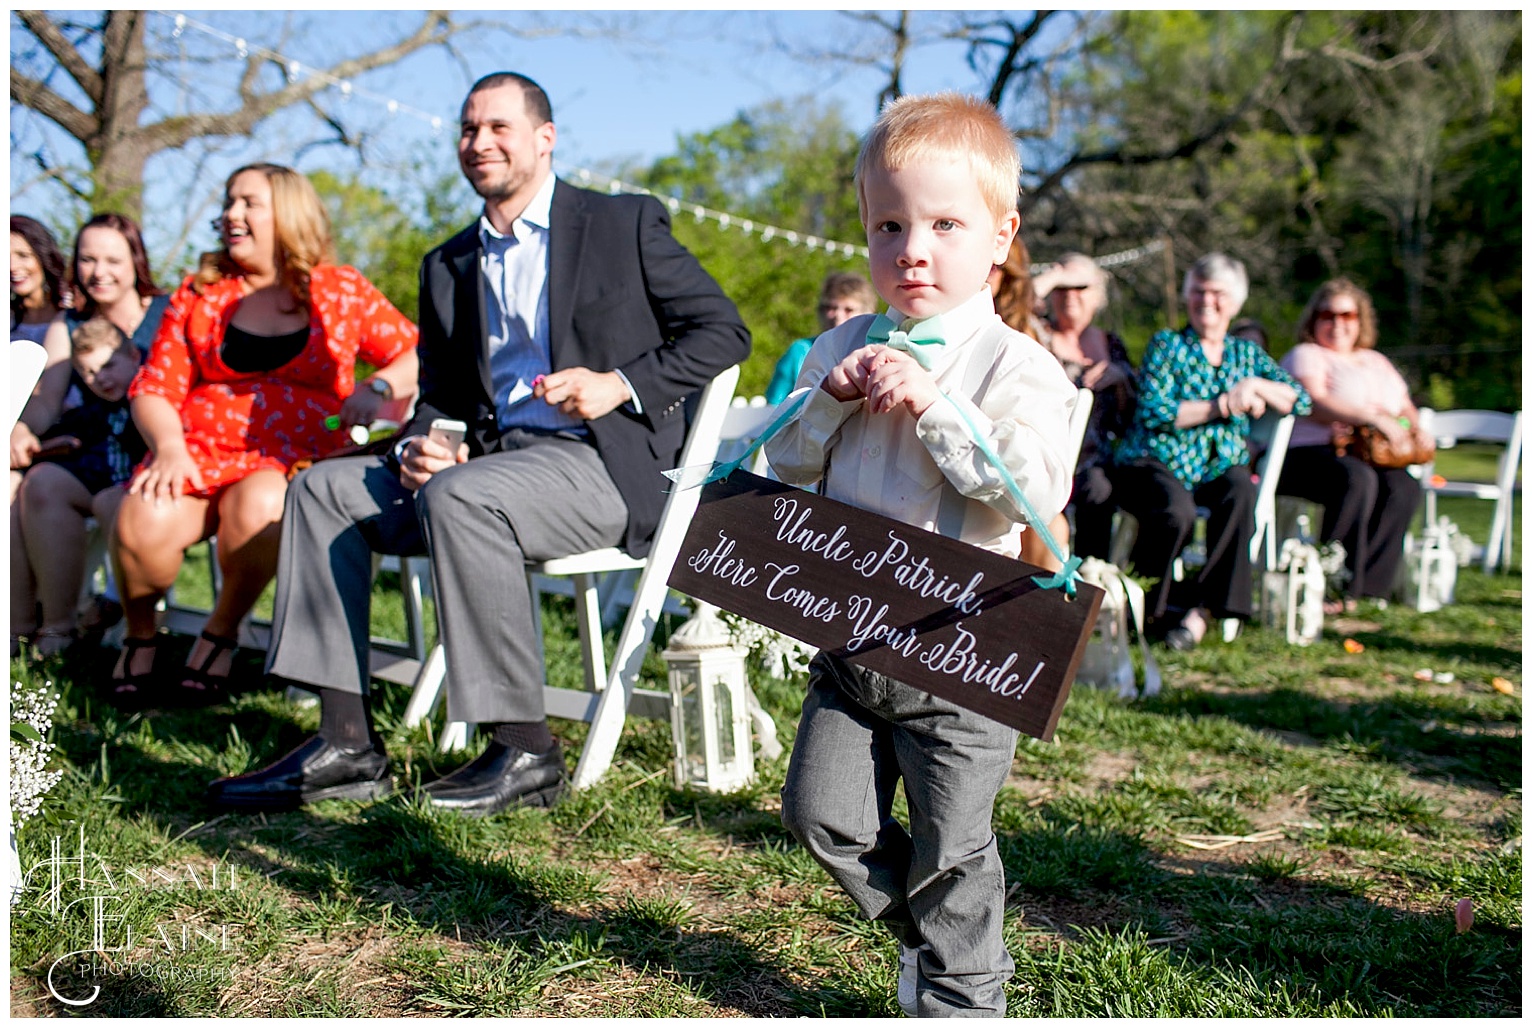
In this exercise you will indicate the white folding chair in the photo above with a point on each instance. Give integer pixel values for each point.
(1272, 432)
(1079, 418)
(611, 691)
(1451, 427)
(26, 367)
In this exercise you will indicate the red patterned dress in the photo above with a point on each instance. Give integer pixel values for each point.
(239, 422)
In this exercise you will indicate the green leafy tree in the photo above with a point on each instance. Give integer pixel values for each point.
(787, 164)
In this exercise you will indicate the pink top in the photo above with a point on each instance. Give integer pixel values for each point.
(1361, 377)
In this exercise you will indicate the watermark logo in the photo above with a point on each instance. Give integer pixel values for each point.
(82, 888)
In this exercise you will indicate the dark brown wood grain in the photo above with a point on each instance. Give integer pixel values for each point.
(963, 623)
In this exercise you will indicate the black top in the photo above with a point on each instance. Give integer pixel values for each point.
(246, 351)
(142, 336)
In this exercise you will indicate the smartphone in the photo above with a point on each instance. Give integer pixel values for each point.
(448, 433)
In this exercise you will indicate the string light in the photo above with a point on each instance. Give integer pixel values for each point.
(725, 220)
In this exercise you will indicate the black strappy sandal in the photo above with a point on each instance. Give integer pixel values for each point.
(214, 688)
(135, 692)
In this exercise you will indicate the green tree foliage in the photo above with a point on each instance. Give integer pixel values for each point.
(1384, 146)
(786, 164)
(385, 237)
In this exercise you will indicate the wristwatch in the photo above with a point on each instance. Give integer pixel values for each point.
(381, 387)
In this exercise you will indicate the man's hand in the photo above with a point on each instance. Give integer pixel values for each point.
(582, 392)
(421, 458)
(894, 378)
(848, 380)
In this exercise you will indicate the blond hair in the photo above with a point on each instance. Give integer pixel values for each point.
(946, 126)
(95, 334)
(302, 229)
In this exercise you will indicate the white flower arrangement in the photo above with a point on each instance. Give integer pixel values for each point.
(1461, 546)
(31, 718)
(781, 655)
(1332, 560)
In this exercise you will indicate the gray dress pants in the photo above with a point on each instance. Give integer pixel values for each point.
(941, 882)
(544, 496)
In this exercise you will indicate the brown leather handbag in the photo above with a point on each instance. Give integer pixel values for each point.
(1372, 446)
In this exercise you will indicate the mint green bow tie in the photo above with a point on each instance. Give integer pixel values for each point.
(923, 340)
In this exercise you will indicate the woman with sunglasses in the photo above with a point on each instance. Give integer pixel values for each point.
(1367, 509)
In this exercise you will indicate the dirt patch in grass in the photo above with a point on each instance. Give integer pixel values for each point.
(1109, 769)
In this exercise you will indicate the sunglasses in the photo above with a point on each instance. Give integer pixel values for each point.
(1337, 316)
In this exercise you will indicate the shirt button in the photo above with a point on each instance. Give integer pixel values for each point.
(876, 451)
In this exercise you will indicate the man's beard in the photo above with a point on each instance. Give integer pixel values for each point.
(502, 188)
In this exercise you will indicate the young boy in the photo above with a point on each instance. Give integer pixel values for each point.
(892, 430)
(85, 455)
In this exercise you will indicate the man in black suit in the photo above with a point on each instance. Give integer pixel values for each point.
(564, 329)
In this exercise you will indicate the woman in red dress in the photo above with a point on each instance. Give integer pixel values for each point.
(258, 348)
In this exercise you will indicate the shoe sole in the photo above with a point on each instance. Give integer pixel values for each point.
(545, 797)
(375, 790)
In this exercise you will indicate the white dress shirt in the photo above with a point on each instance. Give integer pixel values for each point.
(929, 472)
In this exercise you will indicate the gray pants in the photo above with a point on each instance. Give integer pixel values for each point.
(549, 496)
(941, 883)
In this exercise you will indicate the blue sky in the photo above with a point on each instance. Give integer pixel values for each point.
(670, 73)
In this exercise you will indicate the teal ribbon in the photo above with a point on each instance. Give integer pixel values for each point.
(922, 340)
(1069, 575)
(790, 411)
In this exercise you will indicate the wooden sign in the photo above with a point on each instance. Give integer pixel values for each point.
(962, 623)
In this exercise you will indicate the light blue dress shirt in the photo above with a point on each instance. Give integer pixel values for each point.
(514, 271)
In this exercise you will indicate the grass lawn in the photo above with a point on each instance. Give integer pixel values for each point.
(1283, 832)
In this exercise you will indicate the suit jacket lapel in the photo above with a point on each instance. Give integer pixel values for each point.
(566, 240)
(459, 295)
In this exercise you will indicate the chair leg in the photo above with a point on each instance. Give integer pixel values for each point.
(427, 690)
(414, 605)
(612, 708)
(592, 646)
(456, 736)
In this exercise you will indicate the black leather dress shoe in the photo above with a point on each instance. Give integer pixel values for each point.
(501, 778)
(314, 771)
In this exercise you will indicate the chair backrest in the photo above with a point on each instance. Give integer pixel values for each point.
(1273, 431)
(1487, 426)
(1450, 427)
(27, 360)
(702, 440)
(742, 423)
(1079, 418)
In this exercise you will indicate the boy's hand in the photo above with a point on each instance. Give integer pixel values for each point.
(24, 445)
(848, 379)
(895, 378)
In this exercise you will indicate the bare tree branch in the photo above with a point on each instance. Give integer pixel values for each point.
(31, 93)
(52, 37)
(174, 131)
(1184, 148)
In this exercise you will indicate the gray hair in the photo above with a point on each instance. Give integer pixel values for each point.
(1217, 267)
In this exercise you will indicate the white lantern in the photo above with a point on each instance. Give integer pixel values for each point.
(709, 704)
(1429, 572)
(1292, 597)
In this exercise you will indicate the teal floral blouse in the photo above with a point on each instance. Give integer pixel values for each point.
(1174, 370)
